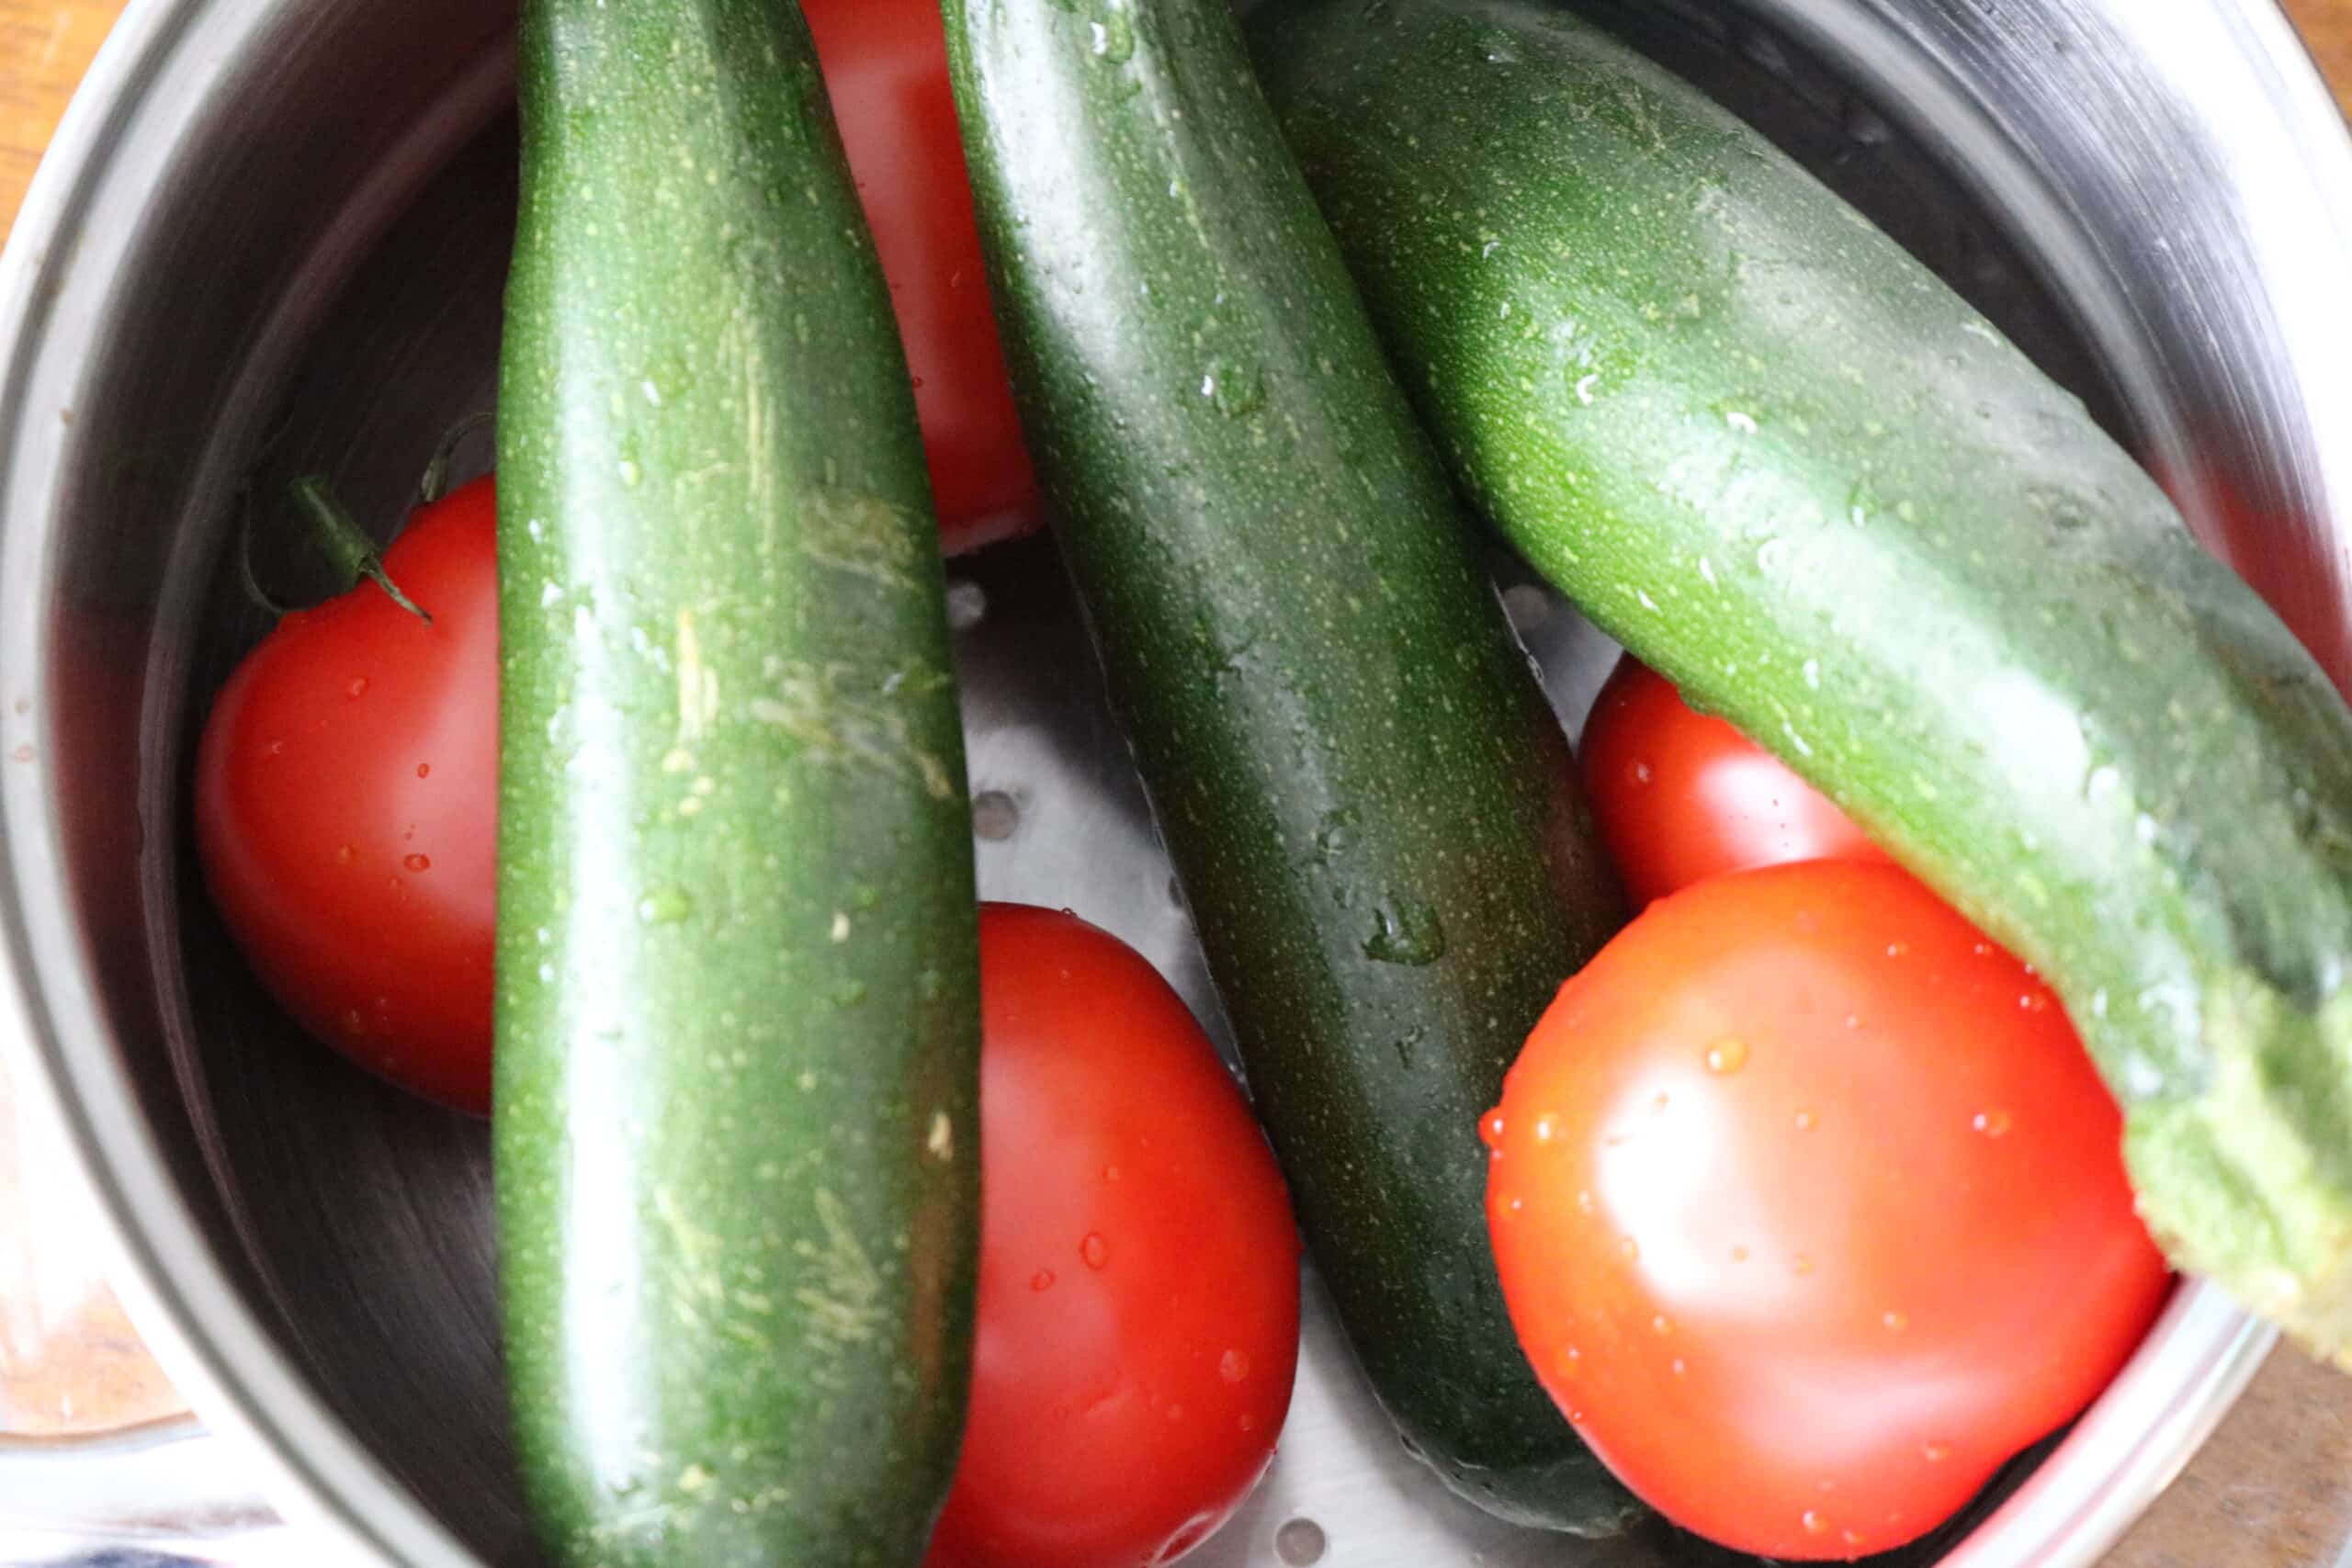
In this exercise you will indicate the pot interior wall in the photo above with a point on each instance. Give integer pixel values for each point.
(318, 291)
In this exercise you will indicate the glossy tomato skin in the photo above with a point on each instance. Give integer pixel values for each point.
(885, 69)
(346, 795)
(1138, 1307)
(1811, 1212)
(1680, 796)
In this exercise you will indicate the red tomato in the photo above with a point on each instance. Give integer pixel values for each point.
(1138, 1311)
(885, 68)
(347, 803)
(1811, 1212)
(1680, 796)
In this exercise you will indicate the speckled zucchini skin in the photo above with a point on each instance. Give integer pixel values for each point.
(737, 1031)
(1373, 811)
(1767, 450)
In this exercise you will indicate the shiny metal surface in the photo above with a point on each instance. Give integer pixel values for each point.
(270, 238)
(66, 1502)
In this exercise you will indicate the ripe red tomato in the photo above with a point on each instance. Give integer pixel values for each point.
(1680, 796)
(1138, 1311)
(347, 803)
(1811, 1212)
(885, 68)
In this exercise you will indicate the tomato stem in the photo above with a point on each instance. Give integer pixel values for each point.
(435, 482)
(347, 545)
(254, 589)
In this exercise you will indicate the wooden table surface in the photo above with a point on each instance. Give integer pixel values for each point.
(2272, 1490)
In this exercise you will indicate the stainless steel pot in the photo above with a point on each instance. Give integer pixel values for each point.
(270, 237)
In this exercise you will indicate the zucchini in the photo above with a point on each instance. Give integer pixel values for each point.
(1774, 455)
(737, 1070)
(1373, 811)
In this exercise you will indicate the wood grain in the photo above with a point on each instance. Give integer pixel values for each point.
(2273, 1488)
(2327, 27)
(45, 45)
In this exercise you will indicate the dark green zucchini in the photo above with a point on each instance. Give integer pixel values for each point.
(1371, 809)
(737, 1028)
(1785, 465)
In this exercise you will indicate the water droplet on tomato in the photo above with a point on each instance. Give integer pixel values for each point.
(1661, 1325)
(1895, 1322)
(1739, 1254)
(1043, 1279)
(1233, 1366)
(1109, 1173)
(1679, 1368)
(275, 749)
(2034, 1001)
(1813, 1523)
(1640, 774)
(1246, 1421)
(1936, 1453)
(417, 862)
(342, 855)
(425, 770)
(1803, 1266)
(1490, 1131)
(1984, 950)
(354, 1022)
(1727, 1055)
(1584, 1202)
(1804, 1120)
(1544, 1127)
(1991, 1124)
(1194, 1531)
(358, 687)
(1094, 1250)
(1631, 1249)
(1852, 1538)
(1576, 1417)
(1897, 949)
(1568, 1364)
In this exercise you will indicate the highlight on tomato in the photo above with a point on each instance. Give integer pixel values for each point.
(1679, 796)
(1810, 1210)
(347, 808)
(1138, 1331)
(885, 69)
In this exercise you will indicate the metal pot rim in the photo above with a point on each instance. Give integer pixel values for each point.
(77, 224)
(62, 266)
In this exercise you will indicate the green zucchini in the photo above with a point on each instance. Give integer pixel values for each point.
(1781, 461)
(737, 1075)
(1371, 809)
